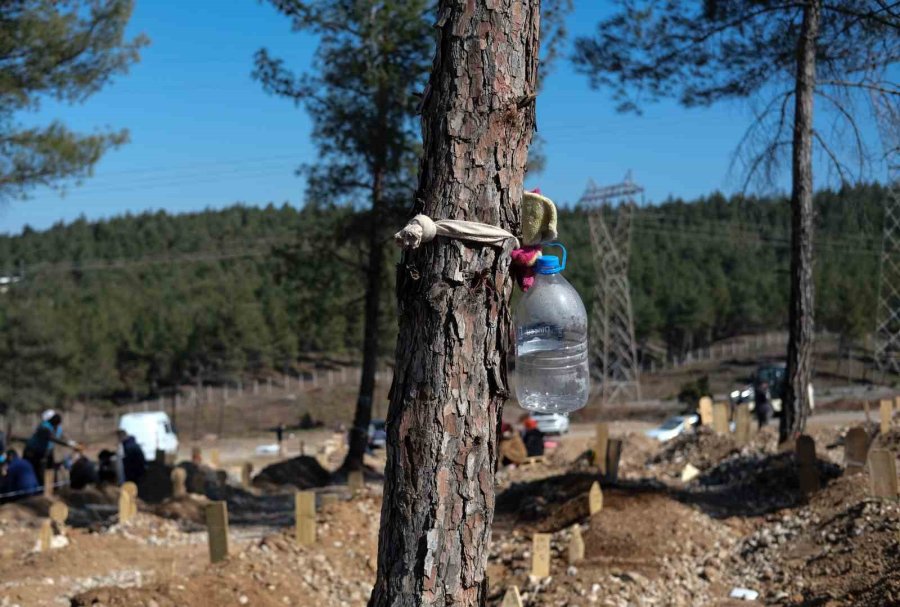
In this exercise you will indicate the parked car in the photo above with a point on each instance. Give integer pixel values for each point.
(674, 426)
(552, 423)
(377, 434)
(152, 430)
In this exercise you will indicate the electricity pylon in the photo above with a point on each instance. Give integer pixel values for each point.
(613, 347)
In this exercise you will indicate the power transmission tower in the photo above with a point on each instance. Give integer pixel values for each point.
(612, 324)
(887, 331)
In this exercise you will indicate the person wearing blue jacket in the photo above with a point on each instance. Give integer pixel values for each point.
(20, 478)
(39, 448)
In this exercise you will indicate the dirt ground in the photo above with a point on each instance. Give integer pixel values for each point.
(742, 522)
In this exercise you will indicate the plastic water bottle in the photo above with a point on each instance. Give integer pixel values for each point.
(552, 373)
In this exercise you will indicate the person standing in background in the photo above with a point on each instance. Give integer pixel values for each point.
(39, 447)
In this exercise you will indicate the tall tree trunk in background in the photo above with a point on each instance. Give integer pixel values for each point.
(359, 433)
(795, 408)
(450, 380)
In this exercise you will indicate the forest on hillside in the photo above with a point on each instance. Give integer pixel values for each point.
(125, 308)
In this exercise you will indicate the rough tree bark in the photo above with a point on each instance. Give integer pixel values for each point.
(795, 407)
(450, 380)
(359, 433)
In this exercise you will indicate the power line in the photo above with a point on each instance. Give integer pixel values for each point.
(122, 264)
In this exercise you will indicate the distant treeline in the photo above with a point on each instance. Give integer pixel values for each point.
(128, 307)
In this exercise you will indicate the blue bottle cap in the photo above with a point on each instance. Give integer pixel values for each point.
(547, 264)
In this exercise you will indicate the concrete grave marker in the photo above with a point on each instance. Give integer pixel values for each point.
(595, 499)
(706, 411)
(689, 473)
(512, 598)
(856, 450)
(540, 555)
(576, 545)
(127, 502)
(355, 481)
(883, 472)
(601, 443)
(867, 412)
(305, 514)
(613, 454)
(59, 512)
(217, 529)
(887, 410)
(214, 460)
(179, 476)
(806, 460)
(742, 425)
(45, 535)
(720, 418)
(49, 480)
(246, 474)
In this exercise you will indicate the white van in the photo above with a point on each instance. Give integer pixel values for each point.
(152, 430)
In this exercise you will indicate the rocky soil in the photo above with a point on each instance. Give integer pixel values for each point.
(741, 522)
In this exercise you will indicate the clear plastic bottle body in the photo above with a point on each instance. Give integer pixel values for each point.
(552, 371)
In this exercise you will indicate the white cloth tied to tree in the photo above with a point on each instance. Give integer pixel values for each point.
(422, 228)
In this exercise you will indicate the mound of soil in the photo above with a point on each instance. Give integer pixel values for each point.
(704, 449)
(302, 472)
(539, 499)
(620, 535)
(753, 484)
(841, 549)
(203, 480)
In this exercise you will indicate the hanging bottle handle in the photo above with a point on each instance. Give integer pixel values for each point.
(564, 253)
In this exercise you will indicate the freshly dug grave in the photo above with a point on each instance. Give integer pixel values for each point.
(303, 472)
(338, 570)
(704, 449)
(752, 484)
(642, 548)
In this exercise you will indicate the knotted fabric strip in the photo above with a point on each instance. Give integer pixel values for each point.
(422, 228)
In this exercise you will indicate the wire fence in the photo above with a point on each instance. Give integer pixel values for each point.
(255, 405)
(739, 346)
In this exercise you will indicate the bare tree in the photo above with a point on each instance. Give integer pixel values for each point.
(450, 381)
(777, 51)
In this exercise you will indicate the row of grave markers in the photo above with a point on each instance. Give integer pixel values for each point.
(304, 515)
(882, 468)
(607, 453)
(540, 546)
(717, 416)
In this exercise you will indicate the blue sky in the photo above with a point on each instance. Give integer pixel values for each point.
(205, 135)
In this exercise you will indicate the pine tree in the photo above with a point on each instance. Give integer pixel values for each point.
(372, 58)
(66, 50)
(451, 379)
(785, 53)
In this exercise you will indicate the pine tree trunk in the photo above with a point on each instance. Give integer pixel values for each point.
(450, 381)
(359, 433)
(795, 406)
